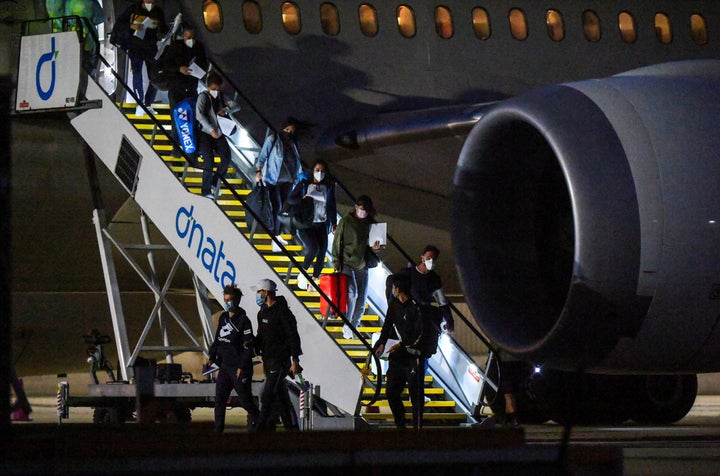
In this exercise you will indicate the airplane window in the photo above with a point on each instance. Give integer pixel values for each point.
(212, 16)
(518, 24)
(555, 25)
(698, 29)
(406, 21)
(291, 18)
(591, 25)
(329, 19)
(626, 23)
(481, 23)
(252, 17)
(444, 23)
(662, 28)
(368, 19)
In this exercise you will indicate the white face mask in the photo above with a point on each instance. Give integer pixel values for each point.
(429, 264)
(319, 175)
(190, 42)
(360, 213)
(148, 6)
(213, 92)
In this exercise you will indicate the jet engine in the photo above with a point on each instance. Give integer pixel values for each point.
(586, 222)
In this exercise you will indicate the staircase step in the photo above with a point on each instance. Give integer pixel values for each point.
(428, 391)
(458, 417)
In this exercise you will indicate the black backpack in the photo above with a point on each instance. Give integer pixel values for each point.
(431, 321)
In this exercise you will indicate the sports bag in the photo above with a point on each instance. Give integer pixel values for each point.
(258, 200)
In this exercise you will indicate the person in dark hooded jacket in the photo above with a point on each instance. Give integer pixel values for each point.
(278, 342)
(232, 351)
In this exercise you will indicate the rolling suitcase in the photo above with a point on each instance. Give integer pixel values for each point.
(335, 286)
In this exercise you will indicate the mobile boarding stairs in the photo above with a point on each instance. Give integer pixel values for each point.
(212, 239)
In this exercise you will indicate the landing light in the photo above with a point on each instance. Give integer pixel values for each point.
(537, 369)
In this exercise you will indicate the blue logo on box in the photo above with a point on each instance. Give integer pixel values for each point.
(51, 57)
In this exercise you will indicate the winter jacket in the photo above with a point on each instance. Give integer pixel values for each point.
(351, 241)
(277, 338)
(232, 348)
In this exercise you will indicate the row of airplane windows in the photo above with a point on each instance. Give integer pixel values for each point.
(444, 22)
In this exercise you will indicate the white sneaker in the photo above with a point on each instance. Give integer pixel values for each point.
(211, 196)
(347, 332)
(281, 240)
(276, 248)
(302, 281)
(152, 111)
(139, 111)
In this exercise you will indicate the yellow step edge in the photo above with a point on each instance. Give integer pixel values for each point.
(426, 379)
(428, 391)
(426, 416)
(430, 404)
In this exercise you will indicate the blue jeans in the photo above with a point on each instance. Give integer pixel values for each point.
(357, 293)
(315, 242)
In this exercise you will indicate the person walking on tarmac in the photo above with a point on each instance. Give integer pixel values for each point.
(403, 322)
(232, 350)
(278, 342)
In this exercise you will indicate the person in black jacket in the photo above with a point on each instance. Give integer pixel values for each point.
(278, 342)
(403, 323)
(232, 351)
(146, 24)
(178, 62)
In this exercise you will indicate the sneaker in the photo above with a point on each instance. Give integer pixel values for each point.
(427, 400)
(276, 248)
(281, 240)
(211, 196)
(152, 111)
(139, 111)
(347, 332)
(302, 282)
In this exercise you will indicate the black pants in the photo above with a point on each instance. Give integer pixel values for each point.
(207, 146)
(278, 194)
(139, 57)
(315, 242)
(399, 373)
(226, 381)
(275, 398)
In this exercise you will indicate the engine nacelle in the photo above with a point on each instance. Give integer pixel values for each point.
(586, 222)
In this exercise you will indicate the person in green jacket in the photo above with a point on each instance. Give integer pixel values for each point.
(349, 252)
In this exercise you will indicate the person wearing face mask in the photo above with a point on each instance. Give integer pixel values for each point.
(278, 342)
(320, 187)
(349, 253)
(403, 323)
(146, 24)
(278, 165)
(426, 287)
(211, 141)
(176, 66)
(232, 351)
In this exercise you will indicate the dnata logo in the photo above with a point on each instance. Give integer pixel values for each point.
(185, 128)
(50, 56)
(209, 253)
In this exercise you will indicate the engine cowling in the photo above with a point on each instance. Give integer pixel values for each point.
(586, 222)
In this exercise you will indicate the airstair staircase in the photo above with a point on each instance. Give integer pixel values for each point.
(212, 237)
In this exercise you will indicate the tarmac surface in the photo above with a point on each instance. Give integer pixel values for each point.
(689, 447)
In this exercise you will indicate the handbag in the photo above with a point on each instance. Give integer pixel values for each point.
(371, 259)
(258, 200)
(298, 216)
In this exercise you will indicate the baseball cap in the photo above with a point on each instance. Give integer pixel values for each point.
(264, 285)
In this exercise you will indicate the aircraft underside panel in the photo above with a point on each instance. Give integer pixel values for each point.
(587, 218)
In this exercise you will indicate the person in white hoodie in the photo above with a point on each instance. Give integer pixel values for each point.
(211, 141)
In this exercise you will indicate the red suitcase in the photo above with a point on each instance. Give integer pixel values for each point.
(335, 286)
